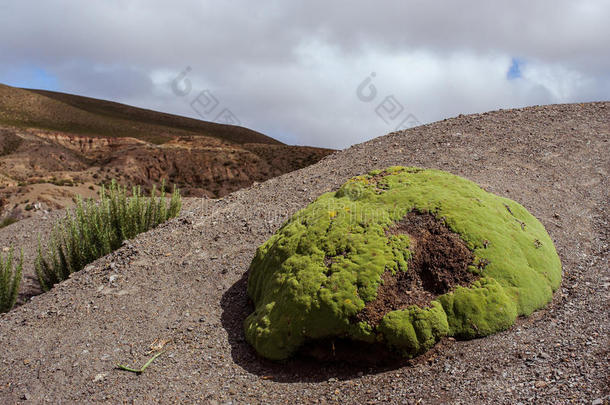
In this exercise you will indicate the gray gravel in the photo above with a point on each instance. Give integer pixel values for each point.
(182, 286)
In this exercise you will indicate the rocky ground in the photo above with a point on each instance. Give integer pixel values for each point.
(181, 287)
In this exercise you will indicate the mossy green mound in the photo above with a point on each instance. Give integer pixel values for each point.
(318, 272)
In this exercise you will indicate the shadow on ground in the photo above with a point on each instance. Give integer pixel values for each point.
(236, 307)
(29, 288)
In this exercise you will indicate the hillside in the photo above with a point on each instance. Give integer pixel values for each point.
(182, 287)
(54, 146)
(74, 114)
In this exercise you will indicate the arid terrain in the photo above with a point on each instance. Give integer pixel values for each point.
(54, 146)
(181, 287)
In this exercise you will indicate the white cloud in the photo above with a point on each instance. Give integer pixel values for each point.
(562, 83)
(291, 70)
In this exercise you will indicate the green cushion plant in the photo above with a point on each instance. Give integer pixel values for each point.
(315, 276)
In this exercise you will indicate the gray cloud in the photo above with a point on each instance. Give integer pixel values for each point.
(101, 81)
(291, 69)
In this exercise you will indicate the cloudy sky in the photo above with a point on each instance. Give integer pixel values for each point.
(311, 72)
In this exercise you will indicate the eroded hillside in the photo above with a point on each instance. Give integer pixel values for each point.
(54, 146)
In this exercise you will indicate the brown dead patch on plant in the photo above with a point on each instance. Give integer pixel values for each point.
(439, 262)
(330, 260)
(376, 179)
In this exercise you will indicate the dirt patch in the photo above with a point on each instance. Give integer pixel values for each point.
(439, 262)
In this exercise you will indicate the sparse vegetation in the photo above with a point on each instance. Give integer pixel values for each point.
(62, 182)
(94, 229)
(7, 221)
(10, 279)
(10, 143)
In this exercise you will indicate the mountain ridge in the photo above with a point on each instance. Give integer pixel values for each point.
(86, 112)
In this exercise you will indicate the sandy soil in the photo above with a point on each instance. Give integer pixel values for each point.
(181, 287)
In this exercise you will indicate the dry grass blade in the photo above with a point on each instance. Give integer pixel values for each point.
(141, 370)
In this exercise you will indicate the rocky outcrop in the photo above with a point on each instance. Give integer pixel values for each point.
(89, 144)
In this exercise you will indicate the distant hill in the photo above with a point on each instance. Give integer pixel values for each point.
(55, 145)
(89, 116)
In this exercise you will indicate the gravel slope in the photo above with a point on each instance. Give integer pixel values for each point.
(184, 283)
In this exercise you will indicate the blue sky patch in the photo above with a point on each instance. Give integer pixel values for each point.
(514, 71)
(31, 77)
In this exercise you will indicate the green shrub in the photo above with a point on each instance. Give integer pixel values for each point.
(94, 229)
(11, 144)
(10, 278)
(7, 221)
